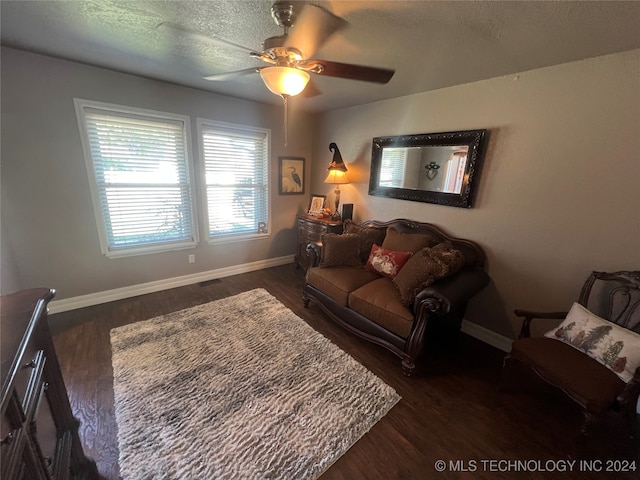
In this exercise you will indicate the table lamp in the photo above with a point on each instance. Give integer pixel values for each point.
(337, 176)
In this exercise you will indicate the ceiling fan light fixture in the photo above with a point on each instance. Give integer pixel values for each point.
(284, 80)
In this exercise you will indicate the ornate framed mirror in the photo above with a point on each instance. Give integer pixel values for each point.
(440, 168)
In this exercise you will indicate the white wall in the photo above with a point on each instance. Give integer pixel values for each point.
(559, 194)
(49, 235)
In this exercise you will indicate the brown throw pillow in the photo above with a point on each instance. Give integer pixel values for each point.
(407, 242)
(425, 267)
(340, 250)
(368, 236)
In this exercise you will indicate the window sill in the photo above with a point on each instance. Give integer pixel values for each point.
(133, 252)
(237, 238)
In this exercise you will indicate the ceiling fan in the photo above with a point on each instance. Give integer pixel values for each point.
(289, 55)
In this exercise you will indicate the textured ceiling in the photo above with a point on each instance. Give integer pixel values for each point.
(430, 44)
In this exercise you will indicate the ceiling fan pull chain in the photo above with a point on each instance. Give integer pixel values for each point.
(286, 116)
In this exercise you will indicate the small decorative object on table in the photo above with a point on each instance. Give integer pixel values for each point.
(346, 212)
(316, 205)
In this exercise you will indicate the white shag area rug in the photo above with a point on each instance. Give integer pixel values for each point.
(238, 388)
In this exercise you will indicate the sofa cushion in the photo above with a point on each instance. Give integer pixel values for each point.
(379, 301)
(594, 385)
(425, 267)
(340, 250)
(407, 242)
(386, 262)
(367, 236)
(611, 345)
(338, 282)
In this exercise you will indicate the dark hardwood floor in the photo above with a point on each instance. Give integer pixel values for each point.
(452, 410)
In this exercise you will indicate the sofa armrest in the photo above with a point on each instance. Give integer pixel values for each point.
(525, 330)
(313, 251)
(455, 289)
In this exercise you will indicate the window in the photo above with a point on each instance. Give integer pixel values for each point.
(393, 165)
(236, 174)
(139, 171)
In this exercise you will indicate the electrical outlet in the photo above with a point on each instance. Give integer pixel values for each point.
(192, 258)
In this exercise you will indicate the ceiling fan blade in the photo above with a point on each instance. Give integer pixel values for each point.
(313, 27)
(352, 72)
(219, 77)
(205, 38)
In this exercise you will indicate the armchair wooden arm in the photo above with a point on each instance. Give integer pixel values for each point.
(628, 398)
(525, 330)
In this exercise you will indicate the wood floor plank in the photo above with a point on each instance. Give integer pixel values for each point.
(452, 410)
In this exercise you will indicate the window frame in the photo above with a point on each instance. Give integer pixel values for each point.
(232, 237)
(108, 250)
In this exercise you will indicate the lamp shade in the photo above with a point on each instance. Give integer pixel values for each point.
(336, 177)
(284, 80)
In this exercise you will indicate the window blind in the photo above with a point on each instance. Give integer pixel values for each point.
(142, 179)
(237, 180)
(393, 167)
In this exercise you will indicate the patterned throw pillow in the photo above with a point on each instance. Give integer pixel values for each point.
(425, 267)
(450, 255)
(615, 347)
(340, 251)
(368, 236)
(386, 262)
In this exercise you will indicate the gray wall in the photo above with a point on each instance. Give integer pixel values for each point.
(49, 235)
(559, 194)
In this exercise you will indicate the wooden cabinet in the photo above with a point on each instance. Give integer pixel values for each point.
(39, 432)
(310, 229)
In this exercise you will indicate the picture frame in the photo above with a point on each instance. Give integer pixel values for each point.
(291, 171)
(316, 205)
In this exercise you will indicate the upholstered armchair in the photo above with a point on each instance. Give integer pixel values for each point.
(594, 354)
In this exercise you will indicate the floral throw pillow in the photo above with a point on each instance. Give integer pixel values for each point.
(615, 347)
(386, 262)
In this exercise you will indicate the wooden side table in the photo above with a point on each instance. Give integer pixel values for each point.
(39, 432)
(310, 229)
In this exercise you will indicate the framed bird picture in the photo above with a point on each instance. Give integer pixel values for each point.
(291, 171)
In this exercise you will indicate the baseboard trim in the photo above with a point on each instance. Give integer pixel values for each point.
(66, 304)
(487, 336)
(73, 303)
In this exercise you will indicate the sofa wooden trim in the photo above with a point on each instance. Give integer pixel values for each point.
(443, 300)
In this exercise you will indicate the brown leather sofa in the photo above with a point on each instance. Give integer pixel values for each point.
(373, 306)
